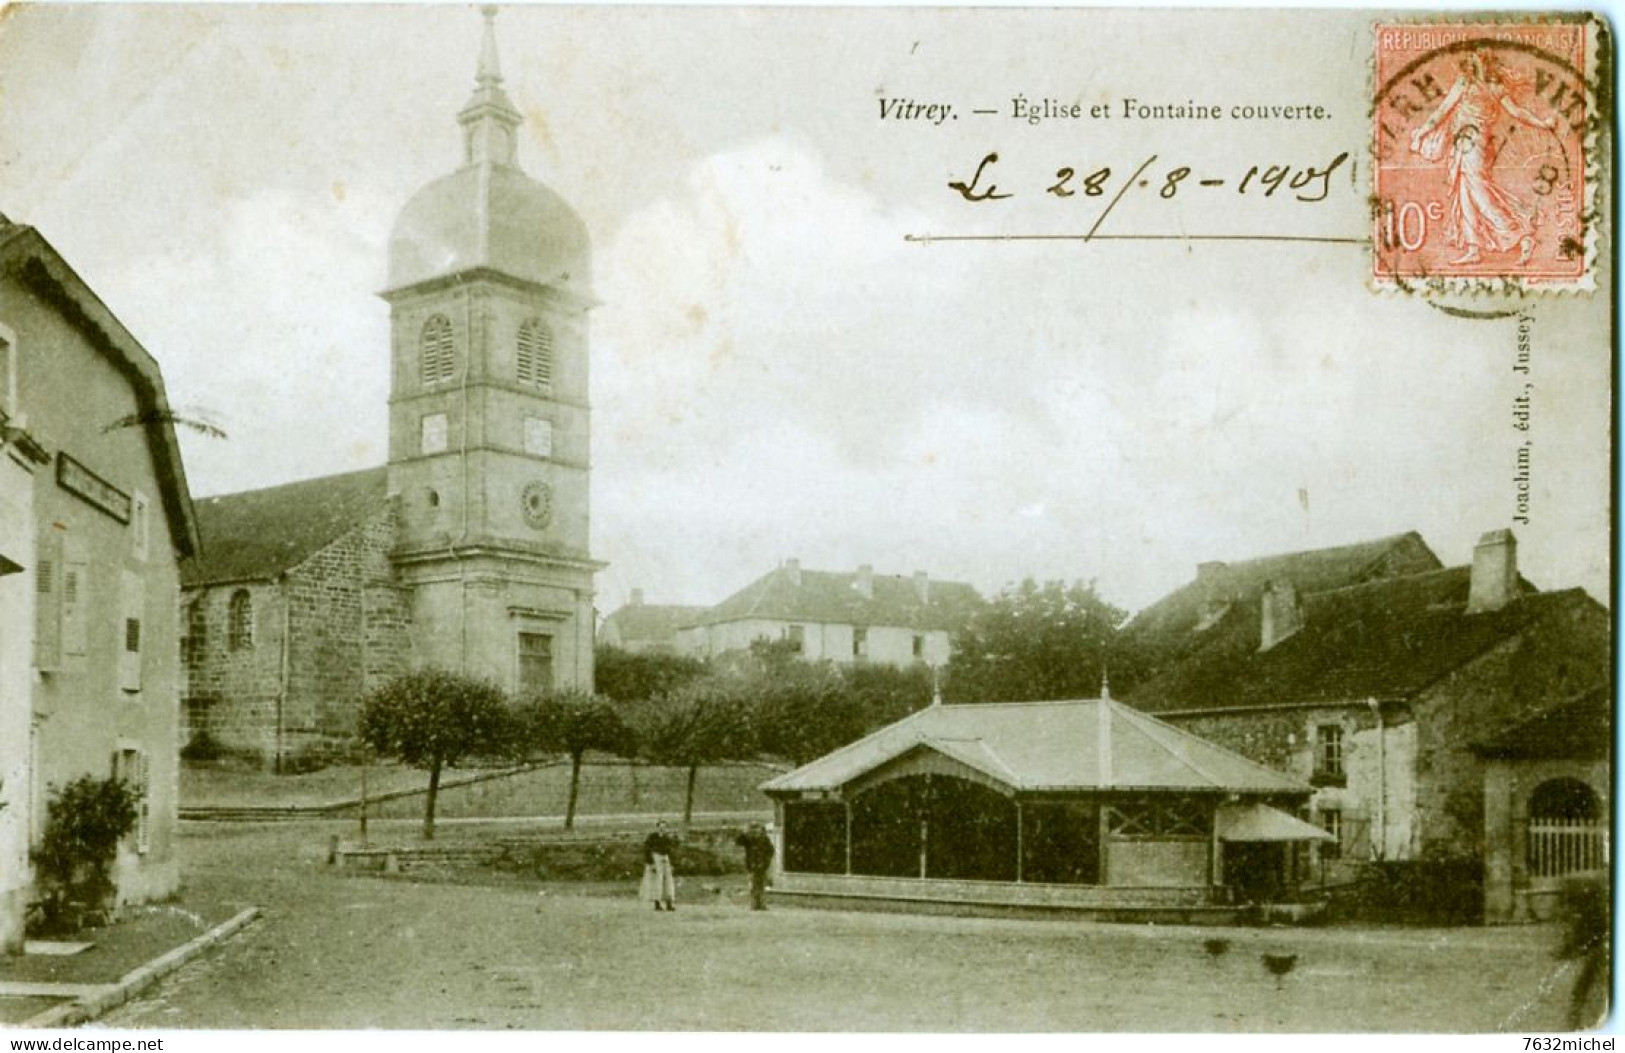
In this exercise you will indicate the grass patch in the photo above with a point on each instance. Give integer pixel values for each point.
(138, 936)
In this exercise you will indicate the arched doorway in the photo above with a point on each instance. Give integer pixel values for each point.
(1565, 833)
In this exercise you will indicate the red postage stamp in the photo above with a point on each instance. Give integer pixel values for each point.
(1480, 163)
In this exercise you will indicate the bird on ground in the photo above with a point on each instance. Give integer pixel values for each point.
(1216, 949)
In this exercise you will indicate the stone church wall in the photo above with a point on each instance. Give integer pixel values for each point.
(332, 646)
(231, 691)
(346, 625)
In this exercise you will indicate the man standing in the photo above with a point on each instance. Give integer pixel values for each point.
(758, 860)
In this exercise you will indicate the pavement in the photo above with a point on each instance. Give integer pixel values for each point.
(338, 950)
(74, 1003)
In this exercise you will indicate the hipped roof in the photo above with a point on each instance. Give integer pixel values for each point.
(791, 594)
(1094, 744)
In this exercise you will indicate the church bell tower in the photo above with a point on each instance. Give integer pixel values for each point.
(489, 288)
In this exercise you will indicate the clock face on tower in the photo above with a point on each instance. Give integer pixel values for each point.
(536, 500)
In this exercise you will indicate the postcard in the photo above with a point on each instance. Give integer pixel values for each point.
(798, 519)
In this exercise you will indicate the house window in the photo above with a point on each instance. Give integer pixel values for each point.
(535, 663)
(534, 355)
(433, 433)
(860, 643)
(538, 437)
(130, 767)
(436, 355)
(240, 621)
(1329, 751)
(919, 646)
(1331, 821)
(797, 635)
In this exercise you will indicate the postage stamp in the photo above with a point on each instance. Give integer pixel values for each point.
(1480, 133)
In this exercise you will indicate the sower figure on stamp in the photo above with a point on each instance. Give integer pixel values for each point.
(1483, 214)
(659, 882)
(758, 860)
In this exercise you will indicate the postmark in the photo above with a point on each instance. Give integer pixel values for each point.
(1482, 170)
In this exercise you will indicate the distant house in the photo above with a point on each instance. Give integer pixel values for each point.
(94, 511)
(1088, 805)
(1370, 672)
(844, 617)
(1547, 797)
(646, 627)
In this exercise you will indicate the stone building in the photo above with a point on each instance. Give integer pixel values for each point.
(94, 513)
(843, 617)
(469, 549)
(1371, 671)
(647, 627)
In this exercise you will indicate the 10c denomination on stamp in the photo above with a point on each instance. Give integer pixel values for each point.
(1480, 161)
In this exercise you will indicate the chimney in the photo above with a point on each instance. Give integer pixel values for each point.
(1495, 572)
(793, 568)
(865, 583)
(922, 586)
(1213, 585)
(1283, 615)
(637, 598)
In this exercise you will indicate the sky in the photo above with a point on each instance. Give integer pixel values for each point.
(777, 371)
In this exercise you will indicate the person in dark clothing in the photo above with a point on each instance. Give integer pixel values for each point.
(659, 881)
(758, 860)
(1586, 942)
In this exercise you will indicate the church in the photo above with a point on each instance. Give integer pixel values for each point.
(468, 550)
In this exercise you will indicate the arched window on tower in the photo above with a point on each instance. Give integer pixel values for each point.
(535, 353)
(240, 621)
(436, 352)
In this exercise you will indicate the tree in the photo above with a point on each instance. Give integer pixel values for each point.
(888, 693)
(702, 722)
(802, 710)
(633, 676)
(573, 722)
(432, 719)
(1034, 642)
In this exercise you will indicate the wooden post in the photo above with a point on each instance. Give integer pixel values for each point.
(1019, 853)
(1104, 854)
(848, 837)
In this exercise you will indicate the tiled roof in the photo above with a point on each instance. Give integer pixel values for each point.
(788, 594)
(1580, 729)
(1049, 746)
(1315, 570)
(256, 534)
(649, 624)
(1388, 639)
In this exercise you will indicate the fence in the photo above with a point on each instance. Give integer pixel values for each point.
(1566, 846)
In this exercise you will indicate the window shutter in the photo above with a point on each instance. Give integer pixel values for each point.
(129, 653)
(143, 828)
(75, 597)
(48, 602)
(435, 346)
(535, 353)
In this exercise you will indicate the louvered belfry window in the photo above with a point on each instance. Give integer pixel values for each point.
(439, 360)
(535, 353)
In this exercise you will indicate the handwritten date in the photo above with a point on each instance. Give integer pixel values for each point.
(1303, 183)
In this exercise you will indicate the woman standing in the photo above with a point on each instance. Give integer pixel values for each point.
(659, 883)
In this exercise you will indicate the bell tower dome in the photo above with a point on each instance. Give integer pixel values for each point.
(488, 289)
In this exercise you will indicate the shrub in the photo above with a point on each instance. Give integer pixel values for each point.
(84, 822)
(202, 747)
